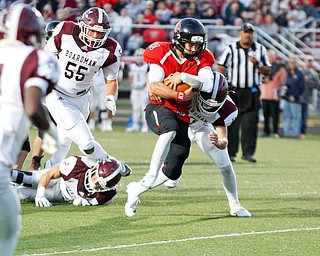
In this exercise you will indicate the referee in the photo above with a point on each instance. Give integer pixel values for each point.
(243, 63)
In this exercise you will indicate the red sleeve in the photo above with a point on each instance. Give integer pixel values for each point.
(227, 109)
(67, 28)
(207, 58)
(111, 44)
(154, 52)
(30, 69)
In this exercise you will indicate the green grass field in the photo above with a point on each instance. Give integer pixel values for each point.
(282, 191)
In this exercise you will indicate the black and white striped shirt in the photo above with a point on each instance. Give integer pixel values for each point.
(241, 72)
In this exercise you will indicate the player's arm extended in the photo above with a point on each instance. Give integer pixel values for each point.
(40, 199)
(53, 173)
(219, 139)
(111, 76)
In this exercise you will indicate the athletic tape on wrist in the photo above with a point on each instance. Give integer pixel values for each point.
(181, 97)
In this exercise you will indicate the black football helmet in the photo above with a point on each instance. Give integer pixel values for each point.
(94, 19)
(189, 30)
(209, 103)
(25, 24)
(103, 176)
(49, 28)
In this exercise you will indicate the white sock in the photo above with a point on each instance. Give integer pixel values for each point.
(161, 178)
(159, 155)
(230, 185)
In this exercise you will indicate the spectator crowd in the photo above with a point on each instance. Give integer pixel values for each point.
(138, 23)
(131, 19)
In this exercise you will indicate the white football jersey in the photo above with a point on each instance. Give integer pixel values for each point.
(21, 66)
(138, 73)
(223, 117)
(78, 63)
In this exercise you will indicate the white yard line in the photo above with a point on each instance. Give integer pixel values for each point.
(111, 247)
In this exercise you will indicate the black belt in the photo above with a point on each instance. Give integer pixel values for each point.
(81, 92)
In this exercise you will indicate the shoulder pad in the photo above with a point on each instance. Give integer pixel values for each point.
(155, 52)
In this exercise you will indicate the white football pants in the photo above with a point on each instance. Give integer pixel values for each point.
(70, 115)
(198, 133)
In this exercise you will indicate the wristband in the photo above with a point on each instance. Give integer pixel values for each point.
(181, 97)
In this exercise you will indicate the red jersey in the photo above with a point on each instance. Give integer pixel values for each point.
(162, 54)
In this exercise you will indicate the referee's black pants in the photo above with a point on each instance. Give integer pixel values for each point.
(244, 128)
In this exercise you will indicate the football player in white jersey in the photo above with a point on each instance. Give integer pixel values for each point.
(77, 179)
(82, 49)
(210, 115)
(26, 75)
(139, 92)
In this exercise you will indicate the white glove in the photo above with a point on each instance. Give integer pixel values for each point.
(79, 201)
(110, 102)
(51, 143)
(40, 199)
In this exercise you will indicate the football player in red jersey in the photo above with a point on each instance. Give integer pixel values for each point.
(169, 118)
(26, 75)
(82, 49)
(77, 179)
(210, 115)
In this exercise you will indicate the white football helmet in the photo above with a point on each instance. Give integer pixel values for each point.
(94, 19)
(208, 103)
(103, 176)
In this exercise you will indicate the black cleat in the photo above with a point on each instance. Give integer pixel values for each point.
(35, 163)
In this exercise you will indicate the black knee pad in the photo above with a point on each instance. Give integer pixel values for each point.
(177, 156)
(40, 133)
(18, 177)
(89, 151)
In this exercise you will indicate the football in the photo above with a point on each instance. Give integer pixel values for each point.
(180, 88)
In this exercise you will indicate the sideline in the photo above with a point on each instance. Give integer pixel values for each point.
(176, 241)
